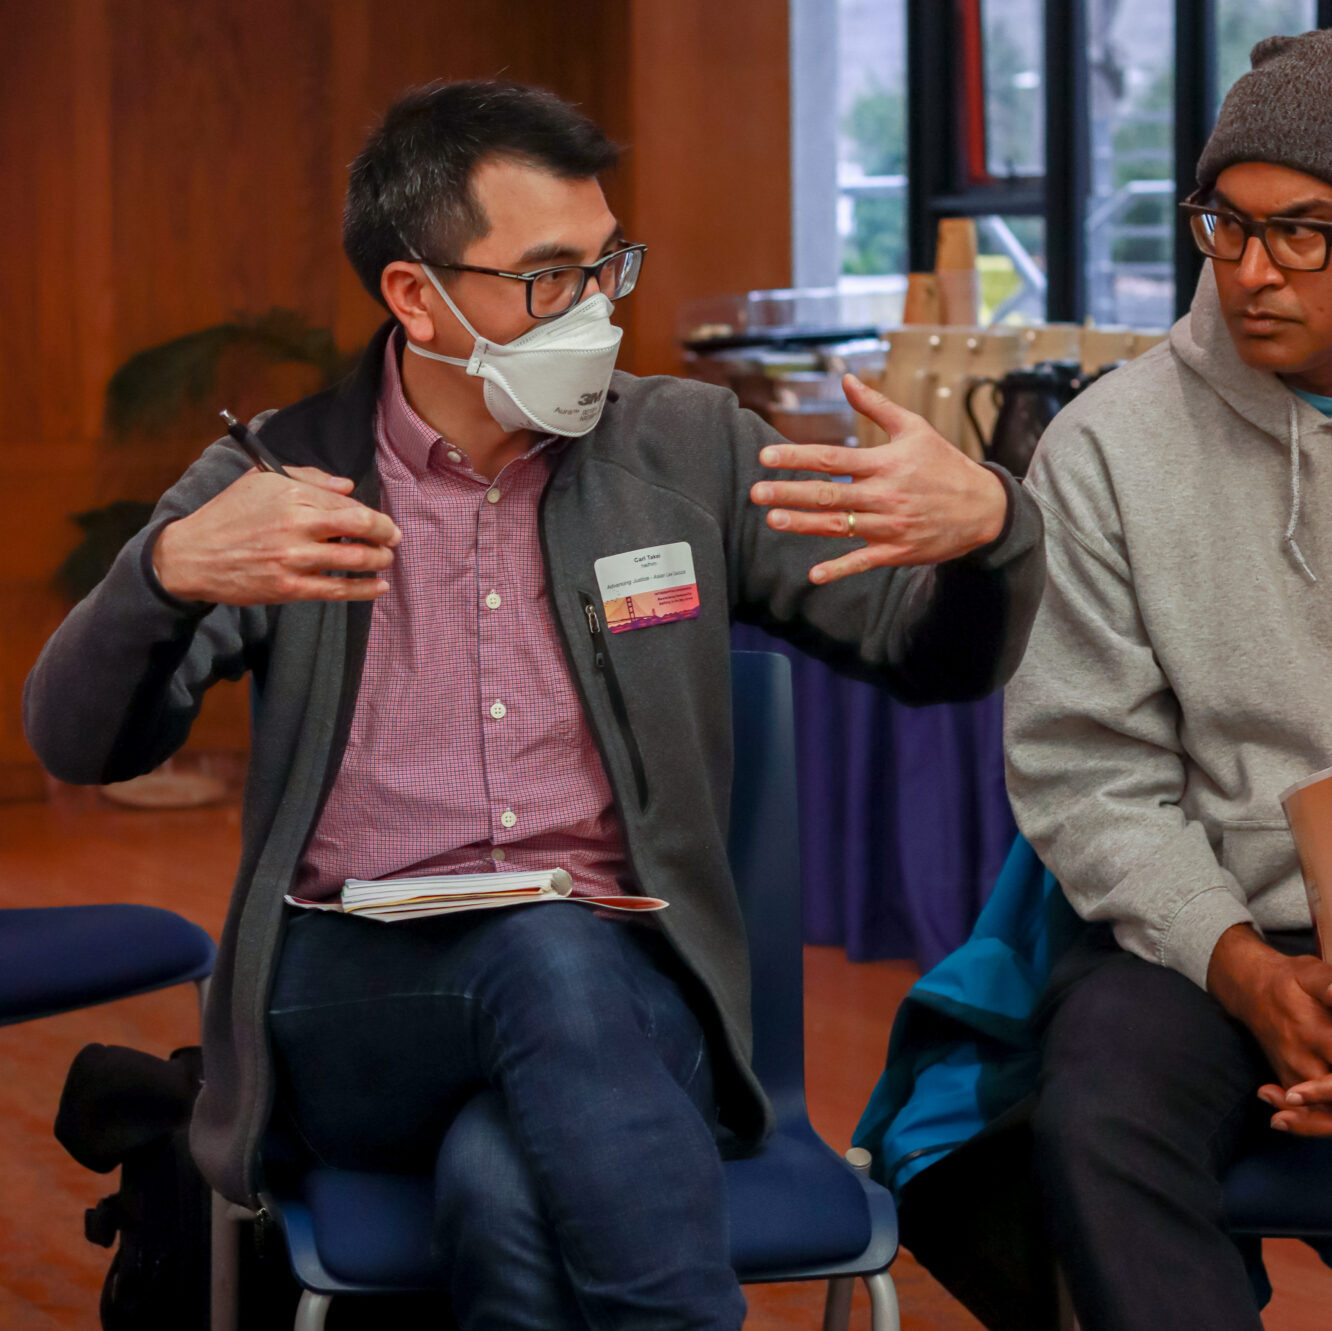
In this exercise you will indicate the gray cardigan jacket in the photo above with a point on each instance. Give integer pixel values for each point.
(117, 687)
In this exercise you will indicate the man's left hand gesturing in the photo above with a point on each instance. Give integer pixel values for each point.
(914, 500)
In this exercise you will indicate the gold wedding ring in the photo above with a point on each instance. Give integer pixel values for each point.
(850, 524)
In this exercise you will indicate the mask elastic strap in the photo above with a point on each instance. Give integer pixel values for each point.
(435, 355)
(457, 314)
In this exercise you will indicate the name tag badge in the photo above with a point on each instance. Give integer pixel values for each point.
(654, 585)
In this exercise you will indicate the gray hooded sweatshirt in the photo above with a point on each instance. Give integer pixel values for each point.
(1179, 674)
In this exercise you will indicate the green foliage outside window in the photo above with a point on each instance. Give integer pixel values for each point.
(1143, 147)
(1143, 140)
(1240, 26)
(876, 126)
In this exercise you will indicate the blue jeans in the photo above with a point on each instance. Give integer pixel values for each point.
(549, 1065)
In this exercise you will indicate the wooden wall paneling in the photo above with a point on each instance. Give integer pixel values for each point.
(21, 109)
(220, 199)
(709, 93)
(56, 298)
(351, 115)
(91, 317)
(54, 264)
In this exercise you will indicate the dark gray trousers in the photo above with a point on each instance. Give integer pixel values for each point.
(1147, 1093)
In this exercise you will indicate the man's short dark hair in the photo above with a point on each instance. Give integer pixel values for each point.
(411, 185)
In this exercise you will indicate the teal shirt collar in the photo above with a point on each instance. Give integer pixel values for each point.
(1324, 404)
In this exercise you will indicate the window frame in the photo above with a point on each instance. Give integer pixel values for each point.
(938, 149)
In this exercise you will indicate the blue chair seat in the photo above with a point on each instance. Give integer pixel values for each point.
(389, 1243)
(1280, 1190)
(797, 1203)
(57, 958)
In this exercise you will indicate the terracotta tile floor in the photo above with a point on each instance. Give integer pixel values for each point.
(78, 848)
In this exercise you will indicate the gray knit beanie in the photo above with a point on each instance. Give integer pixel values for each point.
(1279, 112)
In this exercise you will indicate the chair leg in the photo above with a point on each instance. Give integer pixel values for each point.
(837, 1305)
(312, 1311)
(883, 1302)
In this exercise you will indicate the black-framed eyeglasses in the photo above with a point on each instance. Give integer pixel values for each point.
(555, 291)
(1296, 243)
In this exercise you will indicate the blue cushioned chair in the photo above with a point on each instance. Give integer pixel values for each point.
(58, 958)
(1281, 1189)
(797, 1210)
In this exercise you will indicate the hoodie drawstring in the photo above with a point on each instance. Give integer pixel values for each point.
(1289, 538)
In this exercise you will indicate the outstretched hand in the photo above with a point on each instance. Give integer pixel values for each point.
(914, 500)
(267, 539)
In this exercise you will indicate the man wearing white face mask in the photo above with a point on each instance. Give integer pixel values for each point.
(530, 672)
(552, 379)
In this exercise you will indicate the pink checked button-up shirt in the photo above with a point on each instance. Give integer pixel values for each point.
(468, 748)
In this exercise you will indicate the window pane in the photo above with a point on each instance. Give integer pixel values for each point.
(1130, 214)
(1240, 24)
(1011, 259)
(1013, 38)
(871, 157)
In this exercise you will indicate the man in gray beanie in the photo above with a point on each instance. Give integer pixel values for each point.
(1176, 682)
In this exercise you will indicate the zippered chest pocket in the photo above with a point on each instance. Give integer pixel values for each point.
(605, 669)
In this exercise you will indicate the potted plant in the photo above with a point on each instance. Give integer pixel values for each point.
(159, 405)
(167, 398)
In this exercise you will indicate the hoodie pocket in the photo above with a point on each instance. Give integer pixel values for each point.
(1259, 853)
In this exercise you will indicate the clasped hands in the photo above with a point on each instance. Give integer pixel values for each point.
(916, 500)
(267, 539)
(1286, 1002)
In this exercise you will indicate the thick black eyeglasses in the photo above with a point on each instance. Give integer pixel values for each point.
(555, 291)
(1296, 243)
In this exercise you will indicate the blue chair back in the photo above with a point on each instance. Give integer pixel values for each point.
(57, 958)
(764, 851)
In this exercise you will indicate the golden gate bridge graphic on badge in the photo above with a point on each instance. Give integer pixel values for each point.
(655, 585)
(647, 608)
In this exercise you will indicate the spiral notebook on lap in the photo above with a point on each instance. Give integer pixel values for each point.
(445, 894)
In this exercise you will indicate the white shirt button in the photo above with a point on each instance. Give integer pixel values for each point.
(492, 496)
(492, 600)
(497, 854)
(454, 455)
(508, 818)
(497, 710)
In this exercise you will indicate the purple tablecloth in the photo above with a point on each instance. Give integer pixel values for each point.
(904, 823)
